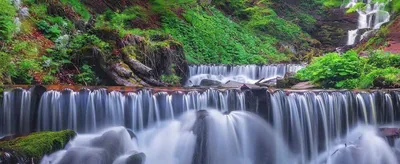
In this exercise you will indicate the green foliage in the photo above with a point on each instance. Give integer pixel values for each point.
(331, 69)
(5, 60)
(350, 71)
(381, 59)
(51, 32)
(36, 145)
(119, 20)
(357, 6)
(78, 7)
(386, 76)
(171, 79)
(7, 14)
(166, 7)
(23, 71)
(210, 37)
(86, 75)
(332, 3)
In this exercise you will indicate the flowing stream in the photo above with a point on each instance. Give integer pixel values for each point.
(252, 126)
(369, 19)
(241, 73)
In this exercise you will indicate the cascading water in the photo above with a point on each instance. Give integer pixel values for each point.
(212, 126)
(369, 19)
(242, 73)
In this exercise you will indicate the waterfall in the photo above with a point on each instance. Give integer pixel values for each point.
(369, 19)
(240, 73)
(240, 126)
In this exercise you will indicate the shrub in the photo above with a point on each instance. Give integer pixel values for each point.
(332, 68)
(23, 71)
(7, 14)
(51, 31)
(5, 60)
(86, 75)
(350, 71)
(386, 77)
(171, 79)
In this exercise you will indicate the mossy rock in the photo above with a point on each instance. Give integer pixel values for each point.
(36, 145)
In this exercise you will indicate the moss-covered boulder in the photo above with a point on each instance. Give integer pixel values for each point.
(33, 147)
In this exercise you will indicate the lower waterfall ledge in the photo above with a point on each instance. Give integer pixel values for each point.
(32, 148)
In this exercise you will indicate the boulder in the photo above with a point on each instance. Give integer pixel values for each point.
(136, 158)
(271, 82)
(390, 134)
(235, 84)
(288, 81)
(209, 83)
(34, 146)
(304, 85)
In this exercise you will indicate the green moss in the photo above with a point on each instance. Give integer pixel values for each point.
(129, 50)
(36, 145)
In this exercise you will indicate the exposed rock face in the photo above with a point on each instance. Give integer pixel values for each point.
(393, 37)
(139, 61)
(332, 29)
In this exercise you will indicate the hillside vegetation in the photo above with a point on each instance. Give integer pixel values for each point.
(151, 42)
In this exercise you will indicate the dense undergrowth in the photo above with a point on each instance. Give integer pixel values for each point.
(51, 44)
(48, 46)
(348, 70)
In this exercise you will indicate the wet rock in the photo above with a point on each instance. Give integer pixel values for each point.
(304, 85)
(209, 83)
(288, 81)
(34, 146)
(11, 156)
(137, 158)
(390, 134)
(235, 84)
(331, 29)
(267, 82)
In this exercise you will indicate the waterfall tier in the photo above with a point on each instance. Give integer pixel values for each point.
(369, 19)
(244, 73)
(308, 122)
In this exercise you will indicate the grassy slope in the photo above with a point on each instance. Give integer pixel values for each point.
(254, 34)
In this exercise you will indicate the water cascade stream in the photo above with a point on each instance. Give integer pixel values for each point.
(369, 19)
(210, 126)
(241, 73)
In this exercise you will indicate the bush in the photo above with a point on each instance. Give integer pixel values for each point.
(51, 31)
(23, 71)
(5, 60)
(86, 75)
(7, 14)
(381, 77)
(171, 79)
(350, 71)
(332, 68)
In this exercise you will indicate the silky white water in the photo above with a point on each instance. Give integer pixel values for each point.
(210, 126)
(369, 19)
(249, 74)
